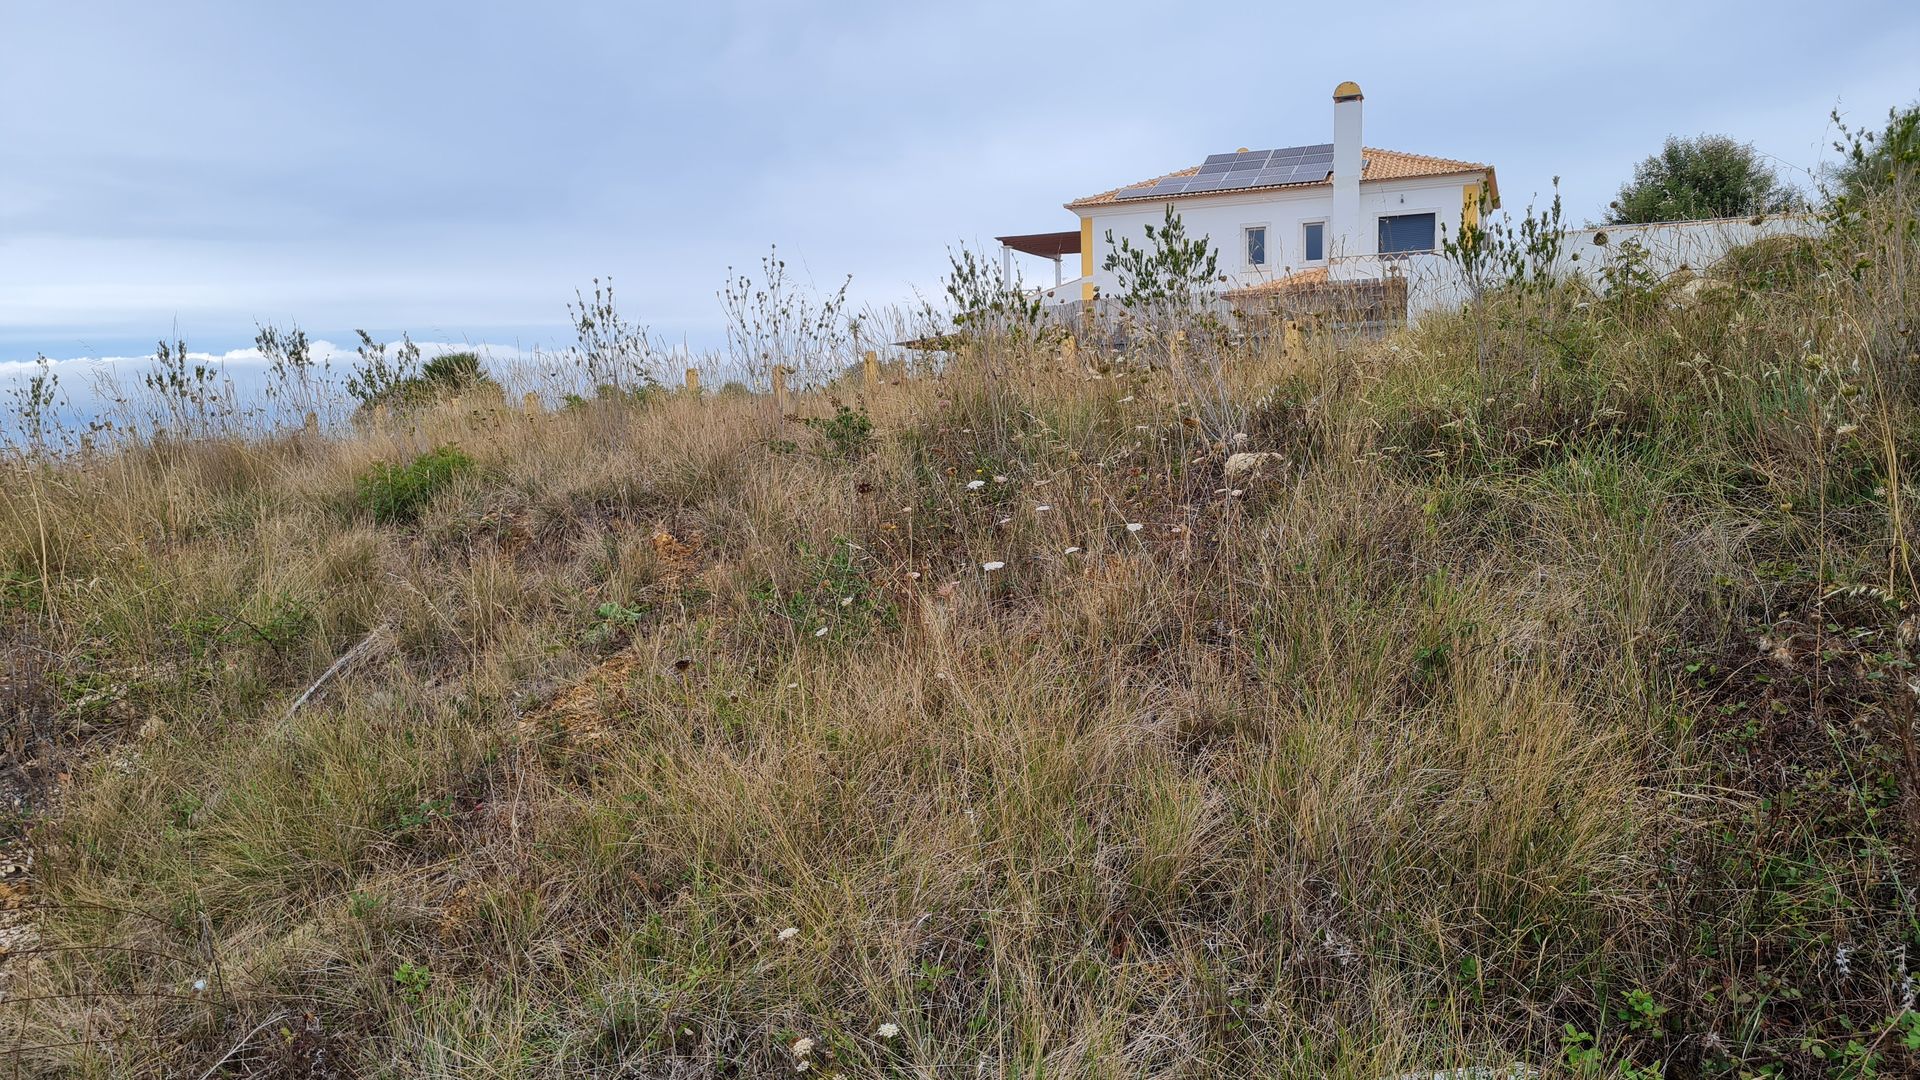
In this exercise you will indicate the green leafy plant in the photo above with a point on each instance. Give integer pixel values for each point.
(615, 618)
(1907, 1024)
(188, 390)
(397, 493)
(1168, 282)
(1578, 1051)
(1876, 161)
(422, 813)
(439, 378)
(294, 379)
(33, 401)
(377, 377)
(985, 302)
(1639, 1011)
(1501, 259)
(848, 432)
(838, 601)
(413, 980)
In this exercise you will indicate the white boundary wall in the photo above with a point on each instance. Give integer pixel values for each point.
(1435, 285)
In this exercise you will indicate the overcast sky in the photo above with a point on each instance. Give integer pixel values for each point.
(456, 169)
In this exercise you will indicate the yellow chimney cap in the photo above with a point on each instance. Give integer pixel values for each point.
(1347, 91)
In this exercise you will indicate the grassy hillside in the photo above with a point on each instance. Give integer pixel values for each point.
(1552, 704)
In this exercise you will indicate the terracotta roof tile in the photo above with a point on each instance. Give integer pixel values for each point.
(1380, 165)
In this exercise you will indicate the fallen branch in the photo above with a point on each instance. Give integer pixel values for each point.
(338, 666)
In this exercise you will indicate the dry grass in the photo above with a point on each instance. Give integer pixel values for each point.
(1526, 707)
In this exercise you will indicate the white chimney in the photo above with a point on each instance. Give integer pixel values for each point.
(1344, 224)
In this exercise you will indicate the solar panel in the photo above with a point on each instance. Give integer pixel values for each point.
(1241, 171)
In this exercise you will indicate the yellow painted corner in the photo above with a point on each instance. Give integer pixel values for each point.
(1470, 206)
(1086, 258)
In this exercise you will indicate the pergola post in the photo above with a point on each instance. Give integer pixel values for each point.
(1055, 246)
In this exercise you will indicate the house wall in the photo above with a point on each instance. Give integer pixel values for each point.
(1221, 218)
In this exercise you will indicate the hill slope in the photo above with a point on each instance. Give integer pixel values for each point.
(1550, 704)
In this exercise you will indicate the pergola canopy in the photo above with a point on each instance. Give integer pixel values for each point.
(1047, 245)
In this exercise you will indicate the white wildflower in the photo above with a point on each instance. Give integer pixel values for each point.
(822, 632)
(1134, 526)
(990, 567)
(845, 600)
(1843, 959)
(889, 1031)
(976, 485)
(1237, 492)
(802, 1046)
(199, 986)
(788, 934)
(913, 575)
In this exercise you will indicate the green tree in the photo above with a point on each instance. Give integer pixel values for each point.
(1709, 176)
(1169, 272)
(1876, 162)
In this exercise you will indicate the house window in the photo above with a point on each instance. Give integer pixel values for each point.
(1406, 232)
(1256, 245)
(1313, 241)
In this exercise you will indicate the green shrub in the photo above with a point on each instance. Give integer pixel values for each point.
(1773, 262)
(395, 493)
(440, 377)
(848, 432)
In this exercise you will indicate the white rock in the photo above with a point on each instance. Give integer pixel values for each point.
(1250, 465)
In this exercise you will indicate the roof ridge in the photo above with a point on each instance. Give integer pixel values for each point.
(1437, 166)
(1425, 157)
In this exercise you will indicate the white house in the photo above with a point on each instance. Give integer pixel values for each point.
(1309, 216)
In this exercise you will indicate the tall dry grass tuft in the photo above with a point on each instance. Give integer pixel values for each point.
(1550, 706)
